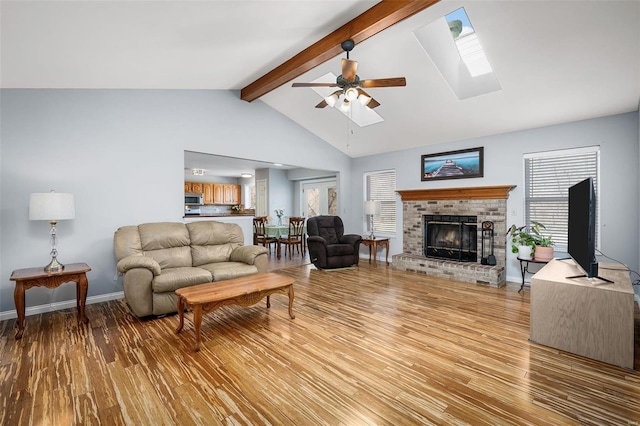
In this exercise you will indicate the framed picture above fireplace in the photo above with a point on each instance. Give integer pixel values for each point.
(461, 164)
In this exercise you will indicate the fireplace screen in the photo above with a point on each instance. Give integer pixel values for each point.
(451, 237)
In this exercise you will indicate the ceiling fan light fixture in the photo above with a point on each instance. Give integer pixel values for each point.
(345, 106)
(364, 99)
(331, 100)
(351, 94)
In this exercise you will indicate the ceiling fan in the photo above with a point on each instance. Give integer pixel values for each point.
(350, 84)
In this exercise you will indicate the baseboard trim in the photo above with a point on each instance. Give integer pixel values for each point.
(57, 306)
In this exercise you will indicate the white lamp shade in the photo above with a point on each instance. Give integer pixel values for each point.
(364, 100)
(345, 105)
(51, 206)
(351, 94)
(331, 100)
(372, 207)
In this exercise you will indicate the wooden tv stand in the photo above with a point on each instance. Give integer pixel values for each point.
(587, 317)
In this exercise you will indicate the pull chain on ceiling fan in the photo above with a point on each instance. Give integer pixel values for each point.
(350, 84)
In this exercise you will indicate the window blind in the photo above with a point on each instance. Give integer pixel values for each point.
(381, 186)
(548, 176)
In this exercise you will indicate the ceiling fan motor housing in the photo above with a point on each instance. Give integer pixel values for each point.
(347, 46)
(345, 84)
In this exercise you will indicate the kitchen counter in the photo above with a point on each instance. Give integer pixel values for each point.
(244, 220)
(217, 215)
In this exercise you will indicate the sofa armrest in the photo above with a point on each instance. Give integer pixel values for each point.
(314, 239)
(352, 239)
(317, 251)
(132, 262)
(247, 254)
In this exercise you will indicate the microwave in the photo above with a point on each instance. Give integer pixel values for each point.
(193, 199)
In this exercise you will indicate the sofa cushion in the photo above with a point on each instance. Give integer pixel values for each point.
(227, 270)
(339, 249)
(126, 242)
(202, 255)
(174, 278)
(210, 232)
(171, 257)
(162, 235)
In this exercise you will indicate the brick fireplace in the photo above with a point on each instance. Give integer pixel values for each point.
(486, 203)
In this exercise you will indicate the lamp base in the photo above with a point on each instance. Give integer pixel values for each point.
(54, 266)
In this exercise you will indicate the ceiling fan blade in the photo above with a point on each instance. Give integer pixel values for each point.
(349, 69)
(322, 104)
(384, 82)
(373, 103)
(314, 85)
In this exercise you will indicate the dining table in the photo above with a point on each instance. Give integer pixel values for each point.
(278, 231)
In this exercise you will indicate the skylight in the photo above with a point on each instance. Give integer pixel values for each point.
(467, 43)
(454, 47)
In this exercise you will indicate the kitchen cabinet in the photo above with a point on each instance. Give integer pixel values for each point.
(231, 194)
(208, 193)
(196, 187)
(218, 193)
(237, 192)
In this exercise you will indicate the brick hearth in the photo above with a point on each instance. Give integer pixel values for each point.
(487, 203)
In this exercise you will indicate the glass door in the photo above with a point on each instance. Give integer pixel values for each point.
(319, 197)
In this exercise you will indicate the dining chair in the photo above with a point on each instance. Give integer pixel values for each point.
(260, 236)
(295, 237)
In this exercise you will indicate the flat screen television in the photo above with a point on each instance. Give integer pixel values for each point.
(582, 228)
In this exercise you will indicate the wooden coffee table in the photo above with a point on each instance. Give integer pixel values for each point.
(243, 291)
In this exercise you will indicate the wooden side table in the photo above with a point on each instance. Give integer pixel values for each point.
(36, 277)
(375, 242)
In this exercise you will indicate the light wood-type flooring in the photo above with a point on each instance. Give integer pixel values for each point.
(368, 346)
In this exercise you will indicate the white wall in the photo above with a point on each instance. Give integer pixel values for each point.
(620, 194)
(121, 152)
(280, 193)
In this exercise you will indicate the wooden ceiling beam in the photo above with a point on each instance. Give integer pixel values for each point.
(372, 21)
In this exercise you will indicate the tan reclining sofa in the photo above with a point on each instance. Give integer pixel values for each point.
(158, 258)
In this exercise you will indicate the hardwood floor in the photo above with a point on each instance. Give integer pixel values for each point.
(368, 346)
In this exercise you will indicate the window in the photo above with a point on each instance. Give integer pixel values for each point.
(547, 178)
(381, 186)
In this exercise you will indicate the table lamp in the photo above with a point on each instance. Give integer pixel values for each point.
(52, 206)
(371, 208)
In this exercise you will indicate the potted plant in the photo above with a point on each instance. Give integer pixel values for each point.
(526, 242)
(522, 241)
(544, 243)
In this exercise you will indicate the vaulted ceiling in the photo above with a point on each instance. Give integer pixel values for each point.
(556, 61)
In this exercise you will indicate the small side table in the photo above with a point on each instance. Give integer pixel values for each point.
(36, 277)
(524, 267)
(375, 242)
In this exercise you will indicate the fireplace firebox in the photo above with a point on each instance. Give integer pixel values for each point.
(451, 237)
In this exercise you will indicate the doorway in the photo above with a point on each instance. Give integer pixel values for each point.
(261, 197)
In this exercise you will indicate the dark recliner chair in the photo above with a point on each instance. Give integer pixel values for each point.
(328, 246)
